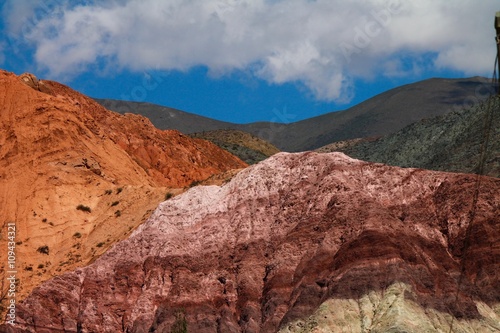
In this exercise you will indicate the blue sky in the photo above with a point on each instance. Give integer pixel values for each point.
(247, 60)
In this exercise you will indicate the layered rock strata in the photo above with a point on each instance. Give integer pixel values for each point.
(76, 178)
(298, 243)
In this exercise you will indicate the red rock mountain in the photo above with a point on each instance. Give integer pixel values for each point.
(298, 243)
(60, 150)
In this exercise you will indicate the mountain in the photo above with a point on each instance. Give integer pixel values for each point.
(302, 242)
(76, 178)
(378, 116)
(166, 118)
(452, 142)
(246, 146)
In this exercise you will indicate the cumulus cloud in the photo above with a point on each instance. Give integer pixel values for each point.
(16, 14)
(21, 17)
(322, 44)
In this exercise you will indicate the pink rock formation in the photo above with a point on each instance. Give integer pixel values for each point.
(282, 238)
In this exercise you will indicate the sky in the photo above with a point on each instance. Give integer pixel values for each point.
(247, 60)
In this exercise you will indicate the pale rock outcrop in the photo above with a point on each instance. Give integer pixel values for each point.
(32, 81)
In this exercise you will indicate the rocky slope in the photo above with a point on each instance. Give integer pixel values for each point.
(246, 146)
(452, 142)
(342, 146)
(75, 177)
(298, 243)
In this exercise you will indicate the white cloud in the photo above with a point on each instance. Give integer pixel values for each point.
(17, 14)
(21, 17)
(323, 44)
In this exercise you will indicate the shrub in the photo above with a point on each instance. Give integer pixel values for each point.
(83, 208)
(43, 249)
(100, 244)
(119, 190)
(77, 235)
(44, 220)
(40, 266)
(168, 195)
(180, 323)
(115, 203)
(195, 183)
(108, 192)
(118, 213)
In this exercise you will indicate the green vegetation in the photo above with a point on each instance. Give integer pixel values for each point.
(115, 203)
(77, 235)
(44, 220)
(83, 208)
(40, 266)
(168, 195)
(195, 183)
(43, 249)
(118, 213)
(101, 244)
(108, 192)
(451, 142)
(119, 190)
(180, 323)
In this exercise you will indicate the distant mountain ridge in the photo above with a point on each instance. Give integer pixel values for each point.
(381, 115)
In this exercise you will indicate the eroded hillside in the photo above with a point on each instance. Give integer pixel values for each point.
(75, 177)
(298, 243)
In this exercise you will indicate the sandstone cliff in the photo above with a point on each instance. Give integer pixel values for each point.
(298, 243)
(75, 177)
